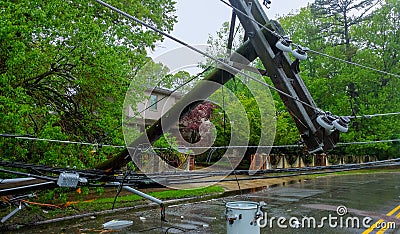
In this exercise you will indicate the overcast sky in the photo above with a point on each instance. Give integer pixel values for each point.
(197, 19)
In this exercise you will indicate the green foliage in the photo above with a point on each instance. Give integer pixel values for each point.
(166, 147)
(348, 90)
(65, 68)
(54, 196)
(100, 191)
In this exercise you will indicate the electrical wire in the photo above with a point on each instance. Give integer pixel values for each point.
(121, 185)
(119, 189)
(49, 179)
(301, 171)
(313, 51)
(59, 141)
(375, 115)
(369, 142)
(354, 64)
(177, 228)
(200, 147)
(257, 175)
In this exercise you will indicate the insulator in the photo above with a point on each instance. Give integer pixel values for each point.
(325, 122)
(299, 54)
(283, 45)
(342, 124)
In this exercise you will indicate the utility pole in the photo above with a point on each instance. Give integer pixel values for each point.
(318, 130)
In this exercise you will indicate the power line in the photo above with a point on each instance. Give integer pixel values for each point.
(375, 115)
(296, 173)
(316, 52)
(24, 137)
(172, 177)
(369, 142)
(355, 64)
(142, 148)
(29, 137)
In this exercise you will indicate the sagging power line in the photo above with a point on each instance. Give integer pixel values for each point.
(142, 148)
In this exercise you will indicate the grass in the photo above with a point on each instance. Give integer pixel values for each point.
(106, 203)
(166, 195)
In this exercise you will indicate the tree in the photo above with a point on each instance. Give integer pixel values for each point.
(66, 67)
(383, 38)
(345, 89)
(338, 17)
(190, 124)
(379, 39)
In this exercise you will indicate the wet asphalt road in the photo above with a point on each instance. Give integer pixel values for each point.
(361, 198)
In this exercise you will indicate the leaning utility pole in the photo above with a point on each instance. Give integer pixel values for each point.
(318, 130)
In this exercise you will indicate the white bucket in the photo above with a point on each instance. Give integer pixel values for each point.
(241, 217)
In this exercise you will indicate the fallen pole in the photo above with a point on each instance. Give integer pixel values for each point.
(244, 55)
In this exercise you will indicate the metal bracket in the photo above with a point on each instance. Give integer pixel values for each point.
(296, 66)
(249, 6)
(5, 218)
